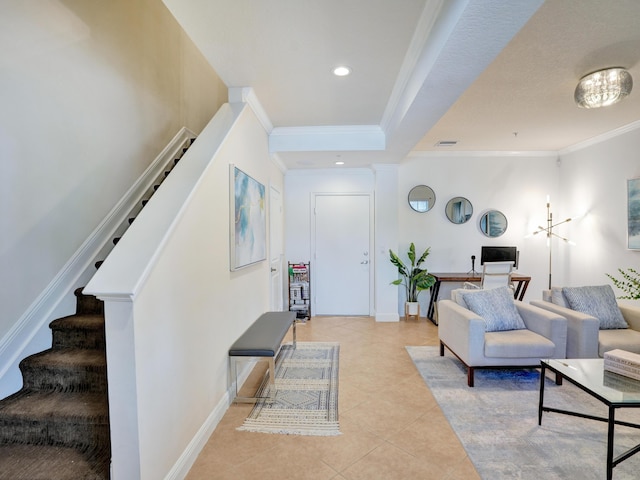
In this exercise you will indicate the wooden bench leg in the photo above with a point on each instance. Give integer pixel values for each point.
(470, 376)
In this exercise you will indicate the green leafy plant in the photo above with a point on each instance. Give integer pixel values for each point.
(630, 283)
(414, 278)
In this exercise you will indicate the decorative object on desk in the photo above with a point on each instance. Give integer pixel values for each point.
(548, 230)
(248, 229)
(630, 283)
(493, 223)
(459, 210)
(306, 399)
(422, 198)
(473, 266)
(497, 426)
(633, 214)
(415, 279)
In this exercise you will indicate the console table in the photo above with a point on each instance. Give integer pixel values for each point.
(522, 282)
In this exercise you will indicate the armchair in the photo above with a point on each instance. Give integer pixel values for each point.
(488, 329)
(594, 327)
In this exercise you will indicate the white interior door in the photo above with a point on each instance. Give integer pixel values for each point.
(342, 261)
(276, 249)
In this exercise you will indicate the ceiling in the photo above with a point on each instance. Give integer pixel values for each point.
(491, 75)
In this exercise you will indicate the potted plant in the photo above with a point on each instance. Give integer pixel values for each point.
(630, 283)
(414, 278)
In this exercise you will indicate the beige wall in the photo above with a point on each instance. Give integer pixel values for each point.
(91, 93)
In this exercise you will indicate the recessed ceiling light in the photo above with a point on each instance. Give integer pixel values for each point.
(341, 71)
(339, 162)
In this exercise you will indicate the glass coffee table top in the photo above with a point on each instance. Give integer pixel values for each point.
(590, 374)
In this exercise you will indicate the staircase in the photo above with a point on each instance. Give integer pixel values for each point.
(57, 426)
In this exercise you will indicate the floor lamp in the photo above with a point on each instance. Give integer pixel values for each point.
(548, 230)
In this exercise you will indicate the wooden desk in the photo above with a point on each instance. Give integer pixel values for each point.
(522, 282)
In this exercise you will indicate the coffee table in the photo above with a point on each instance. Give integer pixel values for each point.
(615, 391)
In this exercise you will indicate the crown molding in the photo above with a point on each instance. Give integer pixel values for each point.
(600, 138)
(247, 95)
(479, 153)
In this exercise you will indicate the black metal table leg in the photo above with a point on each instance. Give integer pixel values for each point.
(435, 290)
(541, 399)
(610, 437)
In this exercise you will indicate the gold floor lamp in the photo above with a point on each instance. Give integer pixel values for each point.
(548, 230)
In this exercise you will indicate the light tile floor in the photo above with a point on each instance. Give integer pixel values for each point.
(391, 426)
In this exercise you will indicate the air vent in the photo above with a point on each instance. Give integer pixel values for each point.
(446, 143)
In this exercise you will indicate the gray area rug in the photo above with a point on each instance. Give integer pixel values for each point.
(306, 400)
(497, 423)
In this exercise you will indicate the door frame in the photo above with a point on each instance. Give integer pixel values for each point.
(280, 260)
(312, 206)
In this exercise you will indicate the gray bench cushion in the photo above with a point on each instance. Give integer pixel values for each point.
(264, 336)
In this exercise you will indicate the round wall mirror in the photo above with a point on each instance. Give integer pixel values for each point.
(493, 223)
(422, 198)
(459, 210)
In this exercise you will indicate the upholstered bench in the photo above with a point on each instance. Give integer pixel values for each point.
(262, 340)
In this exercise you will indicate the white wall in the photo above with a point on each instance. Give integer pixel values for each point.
(514, 185)
(168, 352)
(91, 94)
(594, 180)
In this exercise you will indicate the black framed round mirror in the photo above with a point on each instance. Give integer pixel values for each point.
(459, 210)
(422, 198)
(493, 223)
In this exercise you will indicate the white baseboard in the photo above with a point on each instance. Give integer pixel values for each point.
(387, 317)
(181, 468)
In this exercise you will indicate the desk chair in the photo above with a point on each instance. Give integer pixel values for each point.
(494, 275)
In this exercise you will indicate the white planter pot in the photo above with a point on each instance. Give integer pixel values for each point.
(412, 309)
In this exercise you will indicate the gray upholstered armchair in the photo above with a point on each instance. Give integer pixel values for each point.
(487, 328)
(596, 323)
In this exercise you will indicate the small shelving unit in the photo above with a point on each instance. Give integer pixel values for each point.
(300, 290)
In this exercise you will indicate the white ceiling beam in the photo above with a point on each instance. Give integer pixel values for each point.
(327, 138)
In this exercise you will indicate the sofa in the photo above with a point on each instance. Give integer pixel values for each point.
(596, 322)
(489, 329)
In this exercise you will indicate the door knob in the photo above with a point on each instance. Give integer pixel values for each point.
(364, 262)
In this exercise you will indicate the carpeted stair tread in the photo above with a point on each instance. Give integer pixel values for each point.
(44, 462)
(88, 304)
(78, 420)
(81, 331)
(44, 405)
(66, 369)
(83, 321)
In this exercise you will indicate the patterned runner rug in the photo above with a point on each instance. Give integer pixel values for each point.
(497, 423)
(306, 400)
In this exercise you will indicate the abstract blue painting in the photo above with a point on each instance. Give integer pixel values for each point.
(249, 225)
(633, 203)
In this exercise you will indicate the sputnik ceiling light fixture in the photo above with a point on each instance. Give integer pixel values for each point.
(548, 230)
(603, 88)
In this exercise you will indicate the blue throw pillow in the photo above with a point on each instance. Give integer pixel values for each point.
(598, 301)
(497, 307)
